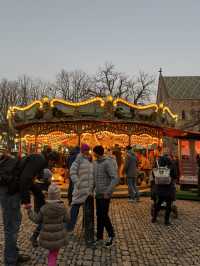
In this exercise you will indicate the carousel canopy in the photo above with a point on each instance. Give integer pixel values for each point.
(92, 115)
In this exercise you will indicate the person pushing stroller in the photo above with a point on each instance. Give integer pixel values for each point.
(163, 187)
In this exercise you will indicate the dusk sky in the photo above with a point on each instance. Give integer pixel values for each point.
(41, 37)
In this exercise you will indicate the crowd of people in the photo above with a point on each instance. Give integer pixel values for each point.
(90, 177)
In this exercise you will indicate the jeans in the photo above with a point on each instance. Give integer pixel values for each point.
(11, 212)
(73, 216)
(70, 191)
(103, 220)
(36, 232)
(132, 188)
(88, 212)
(88, 218)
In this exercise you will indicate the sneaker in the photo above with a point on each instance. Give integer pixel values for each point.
(99, 242)
(71, 236)
(167, 223)
(91, 244)
(23, 258)
(34, 242)
(131, 200)
(109, 242)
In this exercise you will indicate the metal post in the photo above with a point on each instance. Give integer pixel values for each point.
(79, 139)
(20, 146)
(129, 140)
(36, 143)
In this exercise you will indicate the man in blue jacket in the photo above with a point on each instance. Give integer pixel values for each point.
(130, 170)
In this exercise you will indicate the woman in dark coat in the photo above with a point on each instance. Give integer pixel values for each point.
(165, 193)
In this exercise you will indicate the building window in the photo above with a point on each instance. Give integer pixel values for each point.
(183, 115)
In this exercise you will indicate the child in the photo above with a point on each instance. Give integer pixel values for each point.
(41, 184)
(53, 217)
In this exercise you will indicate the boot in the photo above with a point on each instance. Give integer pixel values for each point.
(33, 240)
(167, 222)
(153, 213)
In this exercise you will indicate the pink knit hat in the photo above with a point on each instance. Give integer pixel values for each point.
(85, 147)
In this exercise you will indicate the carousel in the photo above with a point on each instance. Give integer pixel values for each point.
(113, 123)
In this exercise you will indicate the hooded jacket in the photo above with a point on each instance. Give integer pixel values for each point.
(53, 217)
(30, 167)
(106, 176)
(130, 166)
(81, 173)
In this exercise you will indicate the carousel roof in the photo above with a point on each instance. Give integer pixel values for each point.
(94, 115)
(95, 109)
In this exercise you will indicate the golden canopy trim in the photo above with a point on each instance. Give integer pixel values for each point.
(13, 109)
(49, 109)
(46, 100)
(155, 106)
(74, 104)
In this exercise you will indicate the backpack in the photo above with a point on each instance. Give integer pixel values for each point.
(8, 167)
(162, 175)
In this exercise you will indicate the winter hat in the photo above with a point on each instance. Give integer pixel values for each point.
(53, 193)
(84, 148)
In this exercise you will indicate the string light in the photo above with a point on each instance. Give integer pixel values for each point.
(174, 116)
(13, 109)
(132, 105)
(104, 138)
(93, 100)
(148, 106)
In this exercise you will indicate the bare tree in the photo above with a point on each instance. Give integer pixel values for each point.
(73, 85)
(141, 89)
(25, 86)
(108, 81)
(9, 96)
(63, 84)
(34, 89)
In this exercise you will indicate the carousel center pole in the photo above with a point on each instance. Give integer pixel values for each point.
(129, 140)
(36, 143)
(20, 146)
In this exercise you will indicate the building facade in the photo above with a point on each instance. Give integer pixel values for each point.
(182, 95)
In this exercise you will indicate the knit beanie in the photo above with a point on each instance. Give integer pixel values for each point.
(84, 148)
(54, 193)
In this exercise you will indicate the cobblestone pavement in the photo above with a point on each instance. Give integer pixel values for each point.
(138, 242)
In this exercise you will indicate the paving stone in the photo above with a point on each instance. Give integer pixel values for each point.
(138, 241)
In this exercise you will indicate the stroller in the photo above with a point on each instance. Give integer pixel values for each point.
(163, 206)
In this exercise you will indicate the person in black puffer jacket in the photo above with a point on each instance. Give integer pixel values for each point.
(165, 193)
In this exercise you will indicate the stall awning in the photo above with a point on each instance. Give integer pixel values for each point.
(181, 134)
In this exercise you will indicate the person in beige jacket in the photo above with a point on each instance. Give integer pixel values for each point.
(53, 217)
